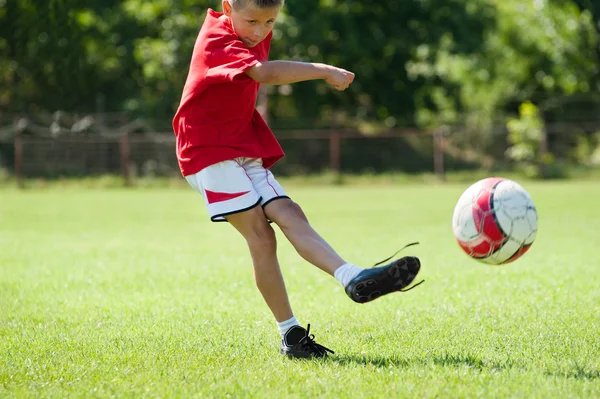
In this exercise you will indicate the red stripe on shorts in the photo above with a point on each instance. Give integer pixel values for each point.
(269, 183)
(212, 196)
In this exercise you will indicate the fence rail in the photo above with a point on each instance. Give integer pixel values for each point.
(130, 151)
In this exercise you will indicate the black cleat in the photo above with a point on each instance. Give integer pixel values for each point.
(298, 343)
(372, 283)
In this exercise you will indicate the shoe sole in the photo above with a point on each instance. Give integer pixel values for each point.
(396, 277)
(302, 355)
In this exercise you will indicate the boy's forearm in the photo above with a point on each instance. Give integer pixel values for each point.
(286, 72)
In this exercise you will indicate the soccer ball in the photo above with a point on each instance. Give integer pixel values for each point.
(495, 221)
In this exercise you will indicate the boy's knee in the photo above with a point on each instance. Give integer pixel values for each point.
(292, 215)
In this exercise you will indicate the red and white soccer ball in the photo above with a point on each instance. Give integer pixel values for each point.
(495, 221)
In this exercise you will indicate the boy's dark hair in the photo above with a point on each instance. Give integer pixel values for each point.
(241, 4)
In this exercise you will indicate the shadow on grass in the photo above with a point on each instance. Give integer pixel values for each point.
(446, 360)
(578, 372)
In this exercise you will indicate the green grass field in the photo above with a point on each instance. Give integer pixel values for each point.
(134, 293)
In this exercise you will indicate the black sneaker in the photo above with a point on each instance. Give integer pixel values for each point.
(298, 343)
(372, 283)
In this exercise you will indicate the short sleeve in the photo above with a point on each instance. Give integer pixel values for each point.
(230, 60)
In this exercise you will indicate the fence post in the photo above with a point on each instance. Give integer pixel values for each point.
(334, 152)
(18, 143)
(438, 153)
(543, 153)
(125, 155)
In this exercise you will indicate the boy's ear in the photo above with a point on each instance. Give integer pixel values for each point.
(227, 7)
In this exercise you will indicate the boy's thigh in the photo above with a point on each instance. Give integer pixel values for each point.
(263, 181)
(253, 225)
(226, 188)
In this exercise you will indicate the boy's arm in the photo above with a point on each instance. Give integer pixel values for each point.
(286, 72)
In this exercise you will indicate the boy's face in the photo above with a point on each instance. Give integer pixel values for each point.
(252, 24)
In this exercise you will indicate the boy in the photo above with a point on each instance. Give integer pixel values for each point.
(225, 150)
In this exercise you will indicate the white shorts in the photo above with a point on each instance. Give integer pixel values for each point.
(235, 186)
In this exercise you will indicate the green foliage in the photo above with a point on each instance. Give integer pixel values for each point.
(587, 149)
(526, 134)
(163, 51)
(526, 137)
(531, 50)
(418, 62)
(377, 40)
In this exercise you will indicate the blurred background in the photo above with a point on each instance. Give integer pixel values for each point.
(89, 88)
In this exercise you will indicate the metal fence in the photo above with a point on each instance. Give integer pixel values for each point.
(131, 149)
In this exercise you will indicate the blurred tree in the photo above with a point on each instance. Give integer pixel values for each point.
(164, 51)
(376, 40)
(533, 51)
(526, 137)
(418, 62)
(593, 7)
(65, 54)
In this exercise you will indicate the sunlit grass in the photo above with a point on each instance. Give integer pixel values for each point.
(135, 293)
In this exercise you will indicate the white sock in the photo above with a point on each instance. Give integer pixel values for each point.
(284, 326)
(345, 273)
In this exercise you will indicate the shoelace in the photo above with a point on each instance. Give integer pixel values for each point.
(396, 253)
(308, 342)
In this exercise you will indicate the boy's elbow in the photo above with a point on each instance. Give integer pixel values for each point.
(260, 73)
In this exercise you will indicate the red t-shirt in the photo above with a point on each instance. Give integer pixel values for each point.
(217, 119)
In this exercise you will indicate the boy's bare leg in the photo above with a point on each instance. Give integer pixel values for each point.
(259, 235)
(361, 285)
(308, 243)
